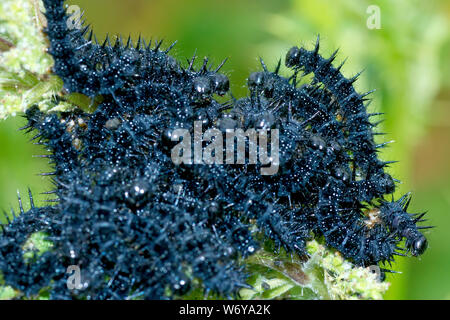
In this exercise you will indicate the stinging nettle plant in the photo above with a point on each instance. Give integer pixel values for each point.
(141, 227)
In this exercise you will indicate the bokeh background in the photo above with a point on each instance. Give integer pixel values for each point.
(406, 61)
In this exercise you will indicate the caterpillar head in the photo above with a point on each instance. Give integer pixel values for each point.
(293, 57)
(384, 183)
(221, 84)
(205, 86)
(261, 82)
(301, 59)
(415, 242)
(419, 245)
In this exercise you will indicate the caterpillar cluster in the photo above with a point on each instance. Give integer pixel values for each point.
(139, 226)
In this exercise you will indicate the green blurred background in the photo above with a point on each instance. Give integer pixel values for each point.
(407, 61)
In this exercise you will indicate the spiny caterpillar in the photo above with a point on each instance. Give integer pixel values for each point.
(140, 226)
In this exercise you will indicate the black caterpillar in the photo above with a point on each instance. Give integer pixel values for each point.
(140, 226)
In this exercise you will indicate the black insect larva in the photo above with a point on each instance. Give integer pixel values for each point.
(329, 162)
(27, 276)
(140, 226)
